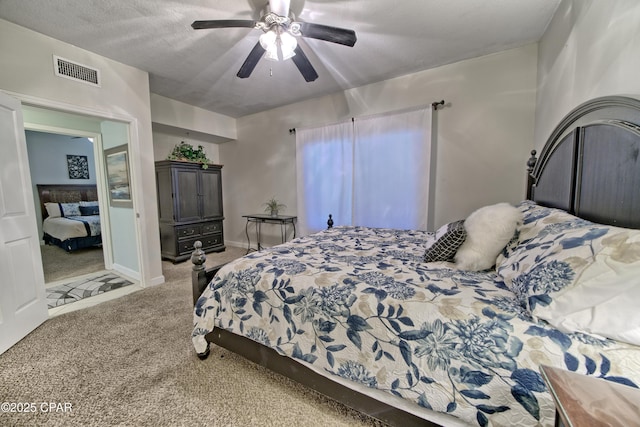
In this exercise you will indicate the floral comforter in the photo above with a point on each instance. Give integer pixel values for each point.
(361, 304)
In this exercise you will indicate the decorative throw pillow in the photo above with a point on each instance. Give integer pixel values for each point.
(489, 229)
(70, 209)
(575, 274)
(53, 210)
(89, 210)
(89, 203)
(444, 243)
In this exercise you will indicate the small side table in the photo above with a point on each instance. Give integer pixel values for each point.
(260, 219)
(582, 400)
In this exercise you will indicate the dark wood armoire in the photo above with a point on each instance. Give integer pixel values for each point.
(189, 208)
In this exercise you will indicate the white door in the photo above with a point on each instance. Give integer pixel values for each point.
(23, 303)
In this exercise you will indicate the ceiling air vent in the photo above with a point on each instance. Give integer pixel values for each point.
(74, 71)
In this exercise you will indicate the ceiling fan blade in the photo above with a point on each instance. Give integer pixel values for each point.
(252, 60)
(303, 64)
(327, 33)
(223, 23)
(280, 7)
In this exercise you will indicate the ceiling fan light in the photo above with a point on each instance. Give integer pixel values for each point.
(268, 39)
(272, 53)
(288, 45)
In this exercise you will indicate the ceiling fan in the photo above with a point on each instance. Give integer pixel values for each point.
(278, 40)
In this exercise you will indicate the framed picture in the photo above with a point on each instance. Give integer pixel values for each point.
(78, 166)
(118, 176)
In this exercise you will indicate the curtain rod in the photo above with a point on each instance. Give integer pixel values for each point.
(434, 105)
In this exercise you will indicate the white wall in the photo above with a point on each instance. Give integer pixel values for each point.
(163, 143)
(26, 71)
(484, 136)
(591, 49)
(213, 127)
(175, 122)
(122, 219)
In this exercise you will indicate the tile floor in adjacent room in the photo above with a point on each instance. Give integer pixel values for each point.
(91, 300)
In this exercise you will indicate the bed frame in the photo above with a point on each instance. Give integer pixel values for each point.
(590, 167)
(67, 193)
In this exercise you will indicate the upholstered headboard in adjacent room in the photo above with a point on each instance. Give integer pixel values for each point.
(65, 193)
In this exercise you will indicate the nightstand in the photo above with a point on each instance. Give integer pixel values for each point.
(582, 400)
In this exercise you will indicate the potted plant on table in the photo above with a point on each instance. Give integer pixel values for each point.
(273, 206)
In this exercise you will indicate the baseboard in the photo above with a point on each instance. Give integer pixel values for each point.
(135, 275)
(242, 244)
(156, 281)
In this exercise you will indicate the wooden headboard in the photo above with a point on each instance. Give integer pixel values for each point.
(590, 166)
(65, 193)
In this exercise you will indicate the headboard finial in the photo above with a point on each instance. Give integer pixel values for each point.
(531, 163)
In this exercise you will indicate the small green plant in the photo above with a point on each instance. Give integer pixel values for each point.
(186, 152)
(273, 206)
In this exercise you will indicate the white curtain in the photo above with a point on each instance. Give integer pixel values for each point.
(391, 164)
(324, 159)
(372, 171)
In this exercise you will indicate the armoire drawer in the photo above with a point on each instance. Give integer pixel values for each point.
(188, 231)
(211, 240)
(211, 227)
(186, 246)
(208, 241)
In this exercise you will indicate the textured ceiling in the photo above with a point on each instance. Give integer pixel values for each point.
(199, 67)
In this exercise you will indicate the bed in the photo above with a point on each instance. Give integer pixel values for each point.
(361, 316)
(71, 216)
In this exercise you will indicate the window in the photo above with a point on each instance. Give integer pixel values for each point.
(372, 172)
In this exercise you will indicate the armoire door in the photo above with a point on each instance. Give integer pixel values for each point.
(186, 195)
(211, 193)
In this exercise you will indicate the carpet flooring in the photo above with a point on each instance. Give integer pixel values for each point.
(130, 362)
(84, 288)
(59, 264)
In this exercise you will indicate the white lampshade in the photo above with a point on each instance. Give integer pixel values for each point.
(271, 41)
(268, 43)
(288, 45)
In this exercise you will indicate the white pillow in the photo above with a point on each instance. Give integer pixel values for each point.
(604, 302)
(489, 229)
(53, 210)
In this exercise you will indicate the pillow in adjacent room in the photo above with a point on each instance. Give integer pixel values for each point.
(444, 243)
(53, 210)
(89, 210)
(70, 209)
(489, 229)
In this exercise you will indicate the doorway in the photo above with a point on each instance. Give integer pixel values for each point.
(65, 160)
(24, 307)
(93, 267)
